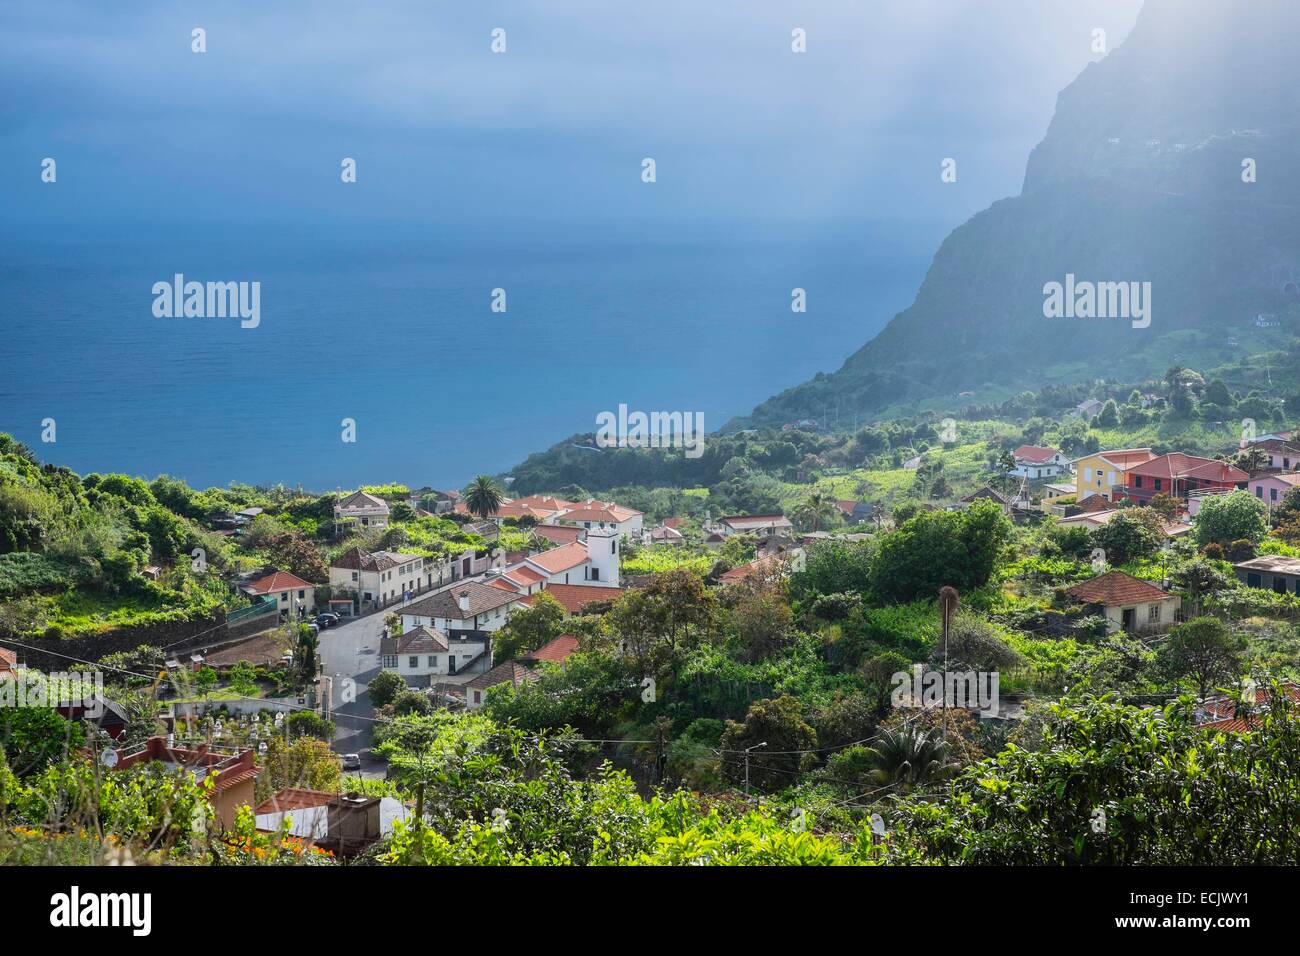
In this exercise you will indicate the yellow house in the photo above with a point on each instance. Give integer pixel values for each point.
(1100, 472)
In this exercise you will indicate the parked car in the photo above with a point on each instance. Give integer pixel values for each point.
(328, 619)
(352, 761)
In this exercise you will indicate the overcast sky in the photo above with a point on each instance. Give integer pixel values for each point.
(553, 130)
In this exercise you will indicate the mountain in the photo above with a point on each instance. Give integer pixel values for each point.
(1138, 179)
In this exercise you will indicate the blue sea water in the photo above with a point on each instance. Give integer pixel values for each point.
(396, 333)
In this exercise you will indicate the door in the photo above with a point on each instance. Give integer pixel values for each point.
(1129, 618)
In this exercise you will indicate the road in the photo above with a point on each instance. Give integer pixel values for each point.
(350, 650)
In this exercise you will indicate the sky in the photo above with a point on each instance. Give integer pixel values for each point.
(544, 138)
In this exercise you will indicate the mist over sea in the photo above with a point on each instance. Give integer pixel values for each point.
(395, 331)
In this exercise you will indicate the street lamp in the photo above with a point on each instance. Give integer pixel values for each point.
(747, 750)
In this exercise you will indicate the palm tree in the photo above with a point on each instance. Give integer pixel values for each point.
(483, 497)
(909, 756)
(816, 506)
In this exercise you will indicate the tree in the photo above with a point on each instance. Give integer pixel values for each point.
(528, 628)
(306, 762)
(957, 548)
(1108, 417)
(658, 623)
(304, 652)
(483, 497)
(779, 724)
(1204, 650)
(909, 756)
(1226, 518)
(1133, 534)
(817, 508)
(385, 687)
(1120, 785)
(307, 723)
(974, 645)
(1196, 579)
(1166, 506)
(32, 738)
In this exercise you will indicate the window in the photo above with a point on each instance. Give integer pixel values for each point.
(389, 661)
(354, 575)
(613, 547)
(413, 662)
(595, 574)
(478, 697)
(1157, 484)
(1137, 481)
(433, 661)
(1259, 491)
(1153, 614)
(1272, 494)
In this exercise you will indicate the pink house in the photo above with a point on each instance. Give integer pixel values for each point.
(1271, 489)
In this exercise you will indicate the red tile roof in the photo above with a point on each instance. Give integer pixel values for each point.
(1176, 464)
(1220, 713)
(1034, 453)
(556, 651)
(562, 558)
(277, 581)
(508, 672)
(1124, 458)
(559, 533)
(294, 798)
(1115, 588)
(575, 597)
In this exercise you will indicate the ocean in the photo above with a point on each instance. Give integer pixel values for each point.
(395, 332)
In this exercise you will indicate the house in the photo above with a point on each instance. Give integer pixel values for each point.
(516, 510)
(1096, 518)
(1100, 472)
(233, 774)
(519, 577)
(1053, 494)
(574, 598)
(509, 672)
(664, 535)
(1035, 462)
(984, 494)
(340, 823)
(374, 579)
(1180, 476)
(294, 597)
(1271, 489)
(559, 533)
(362, 508)
(592, 561)
(424, 652)
(1273, 572)
(1089, 408)
(603, 516)
(768, 565)
(1128, 603)
(1233, 715)
(1278, 452)
(556, 651)
(8, 663)
(97, 710)
(470, 610)
(754, 524)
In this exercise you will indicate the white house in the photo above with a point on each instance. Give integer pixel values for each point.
(377, 578)
(1034, 462)
(593, 561)
(295, 597)
(468, 610)
(602, 516)
(753, 524)
(363, 509)
(423, 653)
(508, 672)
